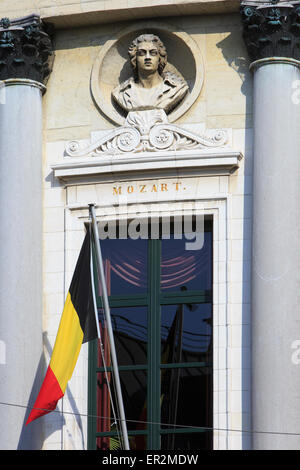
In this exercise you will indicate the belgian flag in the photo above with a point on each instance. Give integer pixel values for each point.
(77, 326)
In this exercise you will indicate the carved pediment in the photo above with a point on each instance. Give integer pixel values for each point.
(148, 143)
(147, 131)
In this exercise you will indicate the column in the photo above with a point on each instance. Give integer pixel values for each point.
(25, 61)
(271, 34)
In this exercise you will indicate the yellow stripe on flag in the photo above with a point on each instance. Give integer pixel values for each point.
(67, 345)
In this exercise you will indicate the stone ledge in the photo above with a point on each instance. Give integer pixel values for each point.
(196, 163)
(83, 13)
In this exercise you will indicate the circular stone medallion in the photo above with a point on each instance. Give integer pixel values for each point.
(112, 67)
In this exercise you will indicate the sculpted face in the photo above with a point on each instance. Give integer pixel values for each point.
(150, 87)
(147, 57)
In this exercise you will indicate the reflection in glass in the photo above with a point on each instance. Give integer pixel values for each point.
(191, 441)
(130, 335)
(125, 264)
(134, 385)
(180, 267)
(186, 399)
(186, 333)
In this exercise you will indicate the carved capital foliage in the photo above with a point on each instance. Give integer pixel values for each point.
(271, 29)
(25, 49)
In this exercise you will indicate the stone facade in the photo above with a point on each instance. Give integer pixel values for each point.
(224, 102)
(217, 182)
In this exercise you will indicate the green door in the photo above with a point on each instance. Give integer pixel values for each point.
(160, 297)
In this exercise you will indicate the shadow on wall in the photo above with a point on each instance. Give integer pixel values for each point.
(235, 54)
(33, 436)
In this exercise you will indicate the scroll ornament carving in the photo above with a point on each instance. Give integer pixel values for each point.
(147, 131)
(271, 29)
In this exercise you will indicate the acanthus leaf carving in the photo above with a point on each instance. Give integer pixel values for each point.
(144, 132)
(26, 49)
(271, 29)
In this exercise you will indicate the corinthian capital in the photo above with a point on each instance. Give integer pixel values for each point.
(271, 29)
(25, 49)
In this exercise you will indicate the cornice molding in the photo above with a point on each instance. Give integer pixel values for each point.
(209, 162)
(271, 29)
(26, 50)
(65, 14)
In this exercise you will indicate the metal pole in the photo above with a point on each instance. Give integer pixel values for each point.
(109, 327)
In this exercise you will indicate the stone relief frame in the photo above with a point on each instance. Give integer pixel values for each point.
(112, 66)
(77, 214)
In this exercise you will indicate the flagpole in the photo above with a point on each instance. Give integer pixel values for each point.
(109, 326)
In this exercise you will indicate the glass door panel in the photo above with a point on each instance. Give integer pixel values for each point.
(134, 391)
(125, 264)
(160, 297)
(130, 335)
(187, 441)
(183, 269)
(186, 398)
(186, 333)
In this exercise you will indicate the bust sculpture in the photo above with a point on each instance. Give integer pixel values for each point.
(149, 87)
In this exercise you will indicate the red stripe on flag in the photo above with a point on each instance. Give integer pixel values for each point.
(48, 397)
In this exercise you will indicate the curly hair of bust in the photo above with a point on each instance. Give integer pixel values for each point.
(132, 51)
